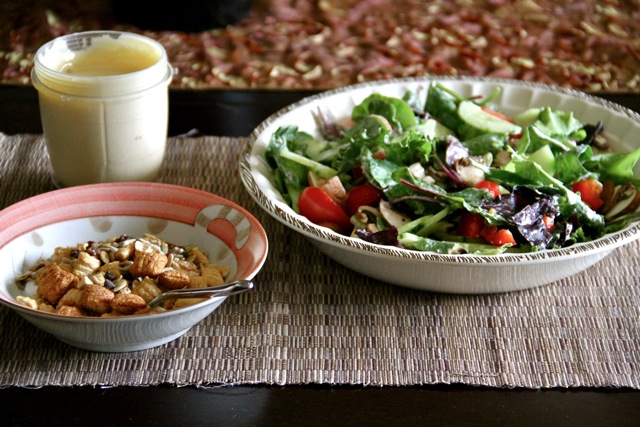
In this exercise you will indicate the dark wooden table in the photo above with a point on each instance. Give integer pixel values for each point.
(236, 113)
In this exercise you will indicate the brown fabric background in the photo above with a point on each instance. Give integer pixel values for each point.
(310, 320)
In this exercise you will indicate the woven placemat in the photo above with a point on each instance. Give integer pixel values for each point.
(310, 320)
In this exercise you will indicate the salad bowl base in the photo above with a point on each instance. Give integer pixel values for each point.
(469, 278)
(472, 272)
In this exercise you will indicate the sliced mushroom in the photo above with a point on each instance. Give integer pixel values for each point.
(609, 195)
(469, 174)
(333, 187)
(392, 216)
(626, 199)
(367, 214)
(314, 180)
(633, 204)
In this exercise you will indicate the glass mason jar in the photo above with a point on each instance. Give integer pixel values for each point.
(104, 106)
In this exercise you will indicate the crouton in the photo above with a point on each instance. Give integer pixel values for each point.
(199, 258)
(127, 303)
(173, 279)
(148, 264)
(147, 289)
(95, 299)
(53, 282)
(71, 297)
(70, 310)
(211, 276)
(86, 265)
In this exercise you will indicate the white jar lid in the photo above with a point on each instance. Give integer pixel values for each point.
(101, 64)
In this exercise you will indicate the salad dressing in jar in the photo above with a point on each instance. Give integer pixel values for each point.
(104, 106)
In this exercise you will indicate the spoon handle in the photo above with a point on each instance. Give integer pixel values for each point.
(232, 288)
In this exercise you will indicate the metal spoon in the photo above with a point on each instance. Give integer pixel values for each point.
(232, 288)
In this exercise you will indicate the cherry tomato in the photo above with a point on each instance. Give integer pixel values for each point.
(380, 154)
(471, 224)
(549, 222)
(321, 209)
(362, 195)
(497, 236)
(490, 186)
(590, 192)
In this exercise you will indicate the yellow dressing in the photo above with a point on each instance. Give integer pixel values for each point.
(109, 57)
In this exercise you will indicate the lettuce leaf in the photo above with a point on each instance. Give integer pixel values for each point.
(397, 111)
(285, 154)
(617, 167)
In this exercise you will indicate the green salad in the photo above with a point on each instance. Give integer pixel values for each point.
(453, 175)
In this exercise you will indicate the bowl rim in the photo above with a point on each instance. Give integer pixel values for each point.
(288, 217)
(123, 186)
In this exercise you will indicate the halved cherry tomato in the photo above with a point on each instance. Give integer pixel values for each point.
(490, 186)
(497, 236)
(497, 114)
(320, 208)
(471, 224)
(362, 195)
(590, 190)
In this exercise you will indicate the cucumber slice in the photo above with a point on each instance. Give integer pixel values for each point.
(545, 158)
(527, 117)
(433, 129)
(322, 171)
(475, 117)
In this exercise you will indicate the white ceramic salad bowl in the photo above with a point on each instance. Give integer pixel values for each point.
(468, 274)
(30, 230)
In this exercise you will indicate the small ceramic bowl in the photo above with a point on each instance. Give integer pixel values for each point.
(31, 229)
(470, 274)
